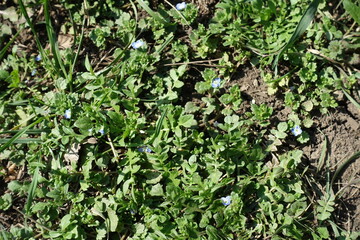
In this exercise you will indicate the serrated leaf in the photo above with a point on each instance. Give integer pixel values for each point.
(187, 120)
(190, 107)
(10, 13)
(5, 201)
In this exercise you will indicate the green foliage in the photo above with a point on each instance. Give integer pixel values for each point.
(120, 141)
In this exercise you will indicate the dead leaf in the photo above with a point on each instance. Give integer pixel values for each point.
(65, 41)
(71, 157)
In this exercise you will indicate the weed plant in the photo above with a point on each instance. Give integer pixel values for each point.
(134, 131)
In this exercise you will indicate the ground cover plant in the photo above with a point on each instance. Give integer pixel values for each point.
(179, 120)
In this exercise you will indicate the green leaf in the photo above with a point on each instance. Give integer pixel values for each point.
(353, 10)
(300, 29)
(19, 134)
(187, 120)
(88, 65)
(352, 100)
(65, 221)
(32, 188)
(323, 232)
(190, 107)
(157, 190)
(84, 123)
(283, 126)
(113, 220)
(153, 177)
(308, 105)
(5, 201)
(10, 13)
(155, 15)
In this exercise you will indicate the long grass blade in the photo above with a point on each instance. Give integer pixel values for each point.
(300, 29)
(30, 131)
(21, 141)
(155, 15)
(342, 167)
(323, 154)
(6, 47)
(38, 44)
(53, 43)
(167, 42)
(31, 192)
(158, 126)
(19, 134)
(351, 99)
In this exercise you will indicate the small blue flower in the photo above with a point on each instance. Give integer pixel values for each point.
(216, 82)
(181, 6)
(33, 72)
(296, 131)
(138, 44)
(101, 131)
(67, 114)
(226, 200)
(38, 58)
(145, 149)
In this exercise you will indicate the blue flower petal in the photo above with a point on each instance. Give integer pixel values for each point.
(101, 131)
(296, 130)
(181, 6)
(67, 114)
(216, 83)
(226, 201)
(38, 58)
(138, 44)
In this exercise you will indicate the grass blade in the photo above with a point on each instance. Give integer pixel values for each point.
(167, 41)
(53, 43)
(353, 10)
(343, 165)
(77, 52)
(19, 134)
(21, 141)
(6, 47)
(300, 29)
(41, 49)
(351, 99)
(323, 154)
(155, 15)
(32, 189)
(30, 131)
(180, 14)
(158, 126)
